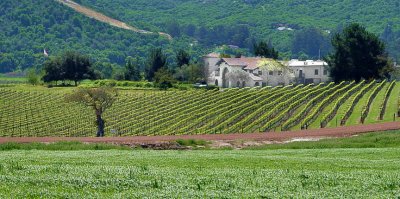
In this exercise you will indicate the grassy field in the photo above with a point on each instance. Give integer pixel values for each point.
(319, 173)
(269, 172)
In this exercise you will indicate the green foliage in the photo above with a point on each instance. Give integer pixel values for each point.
(358, 55)
(32, 77)
(262, 49)
(191, 73)
(182, 58)
(163, 79)
(155, 61)
(259, 20)
(310, 42)
(132, 70)
(192, 142)
(29, 27)
(69, 66)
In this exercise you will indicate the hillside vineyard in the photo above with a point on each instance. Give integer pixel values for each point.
(44, 113)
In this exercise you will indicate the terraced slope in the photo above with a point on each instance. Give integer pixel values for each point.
(44, 112)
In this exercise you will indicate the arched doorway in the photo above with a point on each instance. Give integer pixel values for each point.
(225, 81)
(238, 84)
(257, 84)
(216, 82)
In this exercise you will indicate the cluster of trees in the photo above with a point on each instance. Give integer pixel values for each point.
(70, 66)
(75, 67)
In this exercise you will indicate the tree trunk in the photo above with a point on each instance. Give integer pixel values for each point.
(100, 126)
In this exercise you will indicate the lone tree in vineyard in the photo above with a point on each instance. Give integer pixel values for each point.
(358, 54)
(100, 99)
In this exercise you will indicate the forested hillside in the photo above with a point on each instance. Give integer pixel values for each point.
(296, 28)
(29, 27)
(306, 25)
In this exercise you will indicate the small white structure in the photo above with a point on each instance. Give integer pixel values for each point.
(256, 71)
(309, 71)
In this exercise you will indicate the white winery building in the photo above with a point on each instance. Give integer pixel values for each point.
(257, 71)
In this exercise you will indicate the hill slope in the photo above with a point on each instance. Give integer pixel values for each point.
(28, 27)
(261, 17)
(100, 17)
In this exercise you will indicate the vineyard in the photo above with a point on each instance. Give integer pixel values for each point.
(45, 112)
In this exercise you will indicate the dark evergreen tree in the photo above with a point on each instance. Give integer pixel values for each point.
(132, 71)
(182, 58)
(155, 61)
(358, 54)
(262, 49)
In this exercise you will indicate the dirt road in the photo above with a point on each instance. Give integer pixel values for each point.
(270, 136)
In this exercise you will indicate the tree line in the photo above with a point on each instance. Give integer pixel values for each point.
(73, 66)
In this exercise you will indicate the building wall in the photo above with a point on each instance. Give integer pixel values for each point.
(287, 77)
(309, 73)
(211, 64)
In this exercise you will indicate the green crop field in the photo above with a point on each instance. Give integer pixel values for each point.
(38, 111)
(289, 173)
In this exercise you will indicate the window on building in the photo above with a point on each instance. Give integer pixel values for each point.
(325, 72)
(250, 71)
(280, 73)
(217, 72)
(316, 72)
(259, 72)
(271, 73)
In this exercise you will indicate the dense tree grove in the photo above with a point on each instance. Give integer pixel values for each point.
(358, 54)
(69, 66)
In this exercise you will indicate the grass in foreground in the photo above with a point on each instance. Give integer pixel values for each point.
(387, 139)
(59, 146)
(317, 173)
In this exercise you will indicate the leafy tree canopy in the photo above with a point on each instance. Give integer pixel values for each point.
(358, 54)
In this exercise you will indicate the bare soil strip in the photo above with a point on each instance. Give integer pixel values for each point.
(269, 136)
(103, 18)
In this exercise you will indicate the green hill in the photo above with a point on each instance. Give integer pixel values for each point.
(295, 28)
(261, 18)
(29, 27)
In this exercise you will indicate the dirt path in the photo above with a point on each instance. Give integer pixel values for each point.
(270, 136)
(103, 18)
